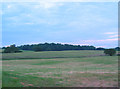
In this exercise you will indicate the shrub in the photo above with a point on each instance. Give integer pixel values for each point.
(11, 49)
(37, 49)
(110, 52)
(118, 54)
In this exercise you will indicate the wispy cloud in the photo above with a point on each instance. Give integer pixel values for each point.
(101, 46)
(103, 40)
(107, 43)
(9, 6)
(114, 36)
(60, 22)
(110, 33)
(61, 0)
(29, 23)
(48, 5)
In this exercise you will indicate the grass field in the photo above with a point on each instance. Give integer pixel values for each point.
(60, 69)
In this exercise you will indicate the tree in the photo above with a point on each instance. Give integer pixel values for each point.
(110, 52)
(117, 48)
(11, 49)
(55, 47)
(100, 48)
(37, 48)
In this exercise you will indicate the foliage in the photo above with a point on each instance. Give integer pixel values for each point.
(11, 49)
(110, 52)
(117, 48)
(118, 54)
(37, 48)
(100, 48)
(55, 47)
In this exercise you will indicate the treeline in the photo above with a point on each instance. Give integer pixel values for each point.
(55, 47)
(51, 47)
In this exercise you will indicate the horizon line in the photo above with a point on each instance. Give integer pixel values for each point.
(58, 43)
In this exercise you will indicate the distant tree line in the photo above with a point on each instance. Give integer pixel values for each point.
(55, 47)
(50, 47)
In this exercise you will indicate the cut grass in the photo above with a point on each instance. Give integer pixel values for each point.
(61, 72)
(50, 54)
(24, 81)
(48, 62)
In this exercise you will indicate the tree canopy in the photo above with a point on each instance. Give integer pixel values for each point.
(110, 52)
(55, 47)
(11, 49)
(51, 47)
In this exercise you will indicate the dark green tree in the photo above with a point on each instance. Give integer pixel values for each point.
(100, 48)
(37, 48)
(110, 52)
(11, 49)
(117, 48)
(55, 47)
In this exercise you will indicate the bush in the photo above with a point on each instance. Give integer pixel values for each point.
(110, 52)
(118, 54)
(100, 48)
(37, 49)
(11, 49)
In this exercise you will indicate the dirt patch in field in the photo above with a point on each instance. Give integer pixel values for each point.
(110, 65)
(82, 79)
(94, 55)
(33, 73)
(96, 72)
(6, 65)
(25, 84)
(96, 83)
(49, 59)
(51, 77)
(51, 67)
(91, 82)
(14, 77)
(11, 70)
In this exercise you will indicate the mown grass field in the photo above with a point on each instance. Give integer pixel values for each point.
(59, 69)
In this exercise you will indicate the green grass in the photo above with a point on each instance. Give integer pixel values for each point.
(60, 69)
(50, 54)
(48, 63)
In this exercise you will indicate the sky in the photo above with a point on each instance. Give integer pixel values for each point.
(77, 23)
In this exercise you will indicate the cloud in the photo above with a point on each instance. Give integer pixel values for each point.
(45, 5)
(109, 33)
(103, 40)
(37, 13)
(48, 5)
(106, 43)
(61, 0)
(100, 42)
(29, 23)
(114, 36)
(9, 6)
(101, 46)
(64, 22)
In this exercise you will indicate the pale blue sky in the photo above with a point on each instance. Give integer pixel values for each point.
(83, 23)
